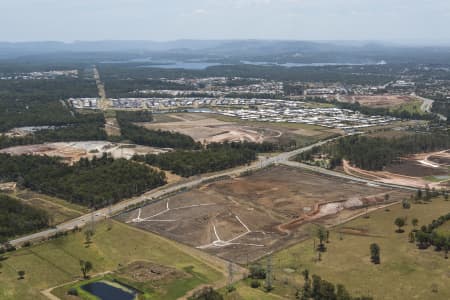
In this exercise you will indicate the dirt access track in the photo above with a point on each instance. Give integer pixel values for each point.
(386, 101)
(244, 218)
(207, 128)
(420, 170)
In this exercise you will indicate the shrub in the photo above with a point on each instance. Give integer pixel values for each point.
(255, 284)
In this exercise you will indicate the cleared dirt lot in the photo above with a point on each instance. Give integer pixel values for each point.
(245, 218)
(73, 151)
(420, 170)
(380, 100)
(209, 128)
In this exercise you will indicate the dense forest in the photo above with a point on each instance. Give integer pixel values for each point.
(118, 88)
(88, 127)
(215, 158)
(17, 218)
(343, 74)
(134, 116)
(94, 183)
(154, 138)
(374, 153)
(39, 102)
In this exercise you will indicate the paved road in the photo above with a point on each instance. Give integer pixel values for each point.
(345, 176)
(427, 104)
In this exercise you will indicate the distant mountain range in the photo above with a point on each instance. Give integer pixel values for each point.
(264, 50)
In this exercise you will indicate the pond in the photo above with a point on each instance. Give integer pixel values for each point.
(106, 291)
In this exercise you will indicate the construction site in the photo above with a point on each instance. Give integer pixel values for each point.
(419, 170)
(243, 219)
(72, 152)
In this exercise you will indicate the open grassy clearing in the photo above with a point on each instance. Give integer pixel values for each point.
(58, 209)
(245, 292)
(28, 194)
(57, 262)
(413, 107)
(405, 272)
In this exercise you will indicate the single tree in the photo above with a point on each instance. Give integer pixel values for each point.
(375, 253)
(321, 235)
(21, 274)
(400, 222)
(419, 194)
(88, 234)
(86, 267)
(414, 223)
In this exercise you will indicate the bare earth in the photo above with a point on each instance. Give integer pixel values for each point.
(412, 171)
(379, 100)
(245, 218)
(73, 151)
(205, 128)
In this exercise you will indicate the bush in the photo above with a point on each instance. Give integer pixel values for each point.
(73, 292)
(255, 284)
(257, 272)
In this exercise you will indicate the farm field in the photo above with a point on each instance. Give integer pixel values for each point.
(405, 271)
(208, 128)
(243, 219)
(56, 262)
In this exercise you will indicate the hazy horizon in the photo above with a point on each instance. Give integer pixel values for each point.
(400, 21)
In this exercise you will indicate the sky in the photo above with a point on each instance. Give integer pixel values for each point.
(162, 20)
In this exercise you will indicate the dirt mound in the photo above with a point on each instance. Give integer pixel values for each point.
(142, 271)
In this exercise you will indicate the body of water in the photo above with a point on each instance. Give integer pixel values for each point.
(105, 291)
(202, 65)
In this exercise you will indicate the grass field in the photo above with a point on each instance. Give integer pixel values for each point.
(59, 210)
(56, 262)
(245, 292)
(412, 107)
(404, 273)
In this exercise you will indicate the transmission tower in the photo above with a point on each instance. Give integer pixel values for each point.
(269, 273)
(230, 274)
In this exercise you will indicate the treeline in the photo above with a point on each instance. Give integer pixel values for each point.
(37, 102)
(374, 153)
(320, 289)
(134, 116)
(154, 138)
(119, 87)
(343, 74)
(429, 236)
(87, 127)
(374, 111)
(442, 107)
(215, 158)
(17, 218)
(94, 183)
